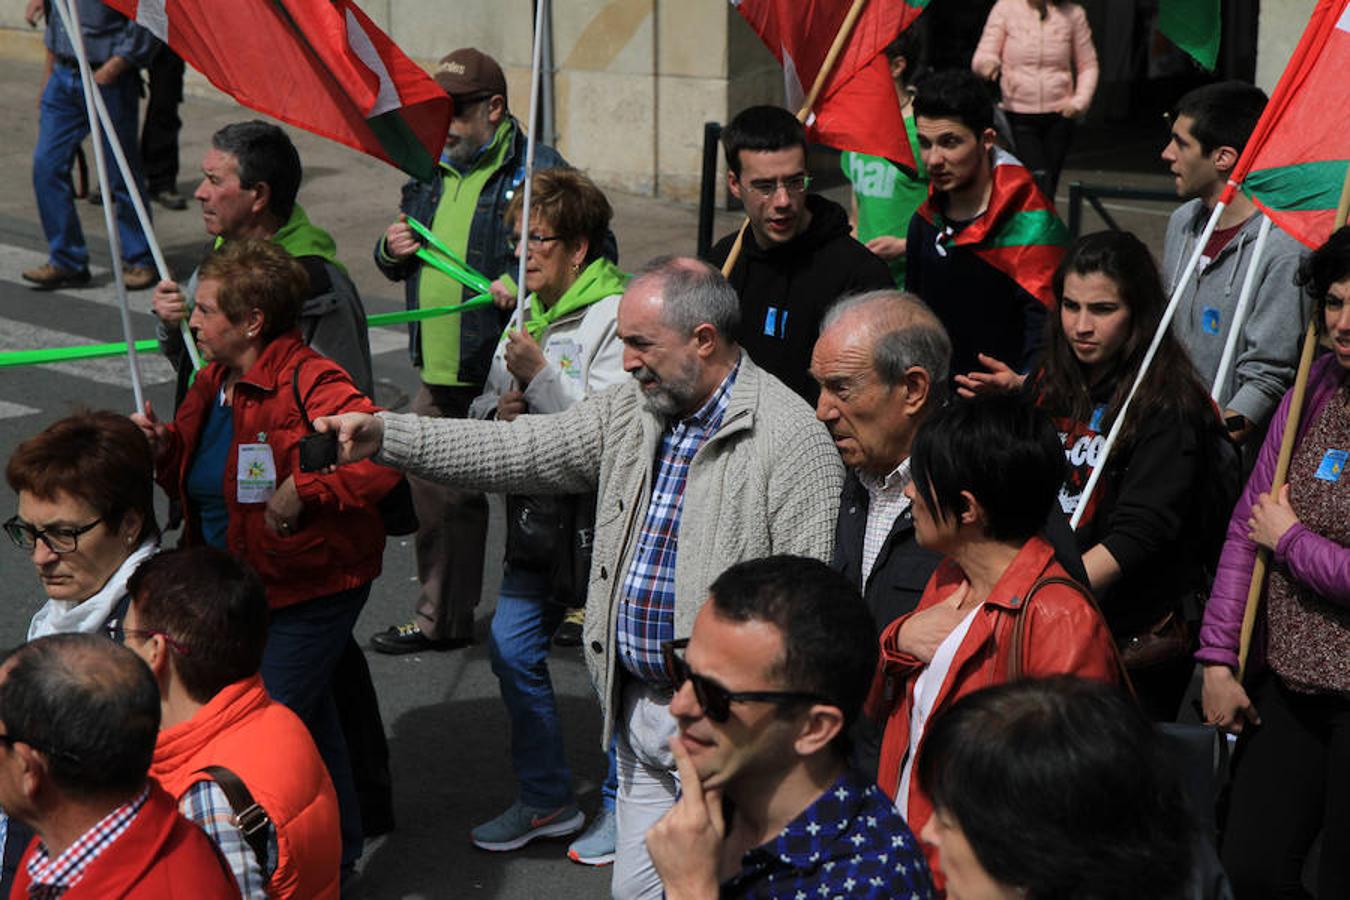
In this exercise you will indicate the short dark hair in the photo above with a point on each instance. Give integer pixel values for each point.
(1222, 114)
(1322, 268)
(761, 129)
(1001, 449)
(258, 274)
(1060, 783)
(909, 45)
(957, 94)
(210, 603)
(569, 201)
(264, 153)
(829, 636)
(99, 457)
(90, 706)
(694, 293)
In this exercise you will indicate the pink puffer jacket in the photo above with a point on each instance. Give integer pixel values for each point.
(1042, 63)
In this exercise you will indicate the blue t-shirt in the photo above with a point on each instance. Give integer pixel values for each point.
(206, 476)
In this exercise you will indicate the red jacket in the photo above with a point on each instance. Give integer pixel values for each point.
(161, 856)
(1064, 635)
(269, 748)
(340, 542)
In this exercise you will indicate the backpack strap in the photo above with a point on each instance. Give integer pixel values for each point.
(251, 819)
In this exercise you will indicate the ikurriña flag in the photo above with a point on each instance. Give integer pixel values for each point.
(1295, 162)
(320, 65)
(857, 109)
(1019, 233)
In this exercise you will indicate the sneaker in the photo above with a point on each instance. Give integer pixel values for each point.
(138, 278)
(569, 630)
(408, 638)
(595, 847)
(169, 199)
(50, 277)
(521, 824)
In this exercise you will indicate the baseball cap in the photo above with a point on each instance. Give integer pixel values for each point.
(469, 72)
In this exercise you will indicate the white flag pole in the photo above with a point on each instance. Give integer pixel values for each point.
(1240, 313)
(518, 318)
(71, 21)
(1191, 265)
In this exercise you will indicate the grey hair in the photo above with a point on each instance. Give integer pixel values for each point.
(694, 293)
(910, 333)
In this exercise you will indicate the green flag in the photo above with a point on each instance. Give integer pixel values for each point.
(1193, 25)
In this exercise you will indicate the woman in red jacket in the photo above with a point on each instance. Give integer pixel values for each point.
(985, 472)
(231, 456)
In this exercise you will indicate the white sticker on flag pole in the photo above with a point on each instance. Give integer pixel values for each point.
(152, 16)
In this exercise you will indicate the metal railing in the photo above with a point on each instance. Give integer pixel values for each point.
(707, 192)
(1094, 194)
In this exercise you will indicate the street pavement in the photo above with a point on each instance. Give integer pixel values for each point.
(446, 726)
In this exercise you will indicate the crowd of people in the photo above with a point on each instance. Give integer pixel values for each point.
(867, 608)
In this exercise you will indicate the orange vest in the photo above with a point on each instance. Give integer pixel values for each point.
(271, 751)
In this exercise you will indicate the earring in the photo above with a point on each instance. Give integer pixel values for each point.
(576, 267)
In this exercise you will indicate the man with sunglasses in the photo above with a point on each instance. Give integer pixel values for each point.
(77, 732)
(779, 663)
(797, 255)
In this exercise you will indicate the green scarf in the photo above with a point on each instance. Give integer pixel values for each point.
(597, 281)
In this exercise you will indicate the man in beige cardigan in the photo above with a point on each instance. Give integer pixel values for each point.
(701, 461)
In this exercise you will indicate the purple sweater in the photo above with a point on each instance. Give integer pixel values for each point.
(1321, 564)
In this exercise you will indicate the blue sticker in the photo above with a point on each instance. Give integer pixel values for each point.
(1210, 320)
(1098, 412)
(782, 325)
(771, 321)
(1332, 465)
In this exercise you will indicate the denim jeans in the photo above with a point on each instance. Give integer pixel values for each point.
(62, 124)
(304, 643)
(522, 627)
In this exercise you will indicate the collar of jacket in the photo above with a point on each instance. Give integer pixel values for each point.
(179, 743)
(274, 359)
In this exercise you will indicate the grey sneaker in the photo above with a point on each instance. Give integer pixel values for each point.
(595, 847)
(521, 824)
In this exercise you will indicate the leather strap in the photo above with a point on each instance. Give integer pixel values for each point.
(1015, 671)
(251, 819)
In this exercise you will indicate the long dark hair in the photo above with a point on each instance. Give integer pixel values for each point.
(1171, 385)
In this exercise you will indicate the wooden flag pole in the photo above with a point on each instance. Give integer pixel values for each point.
(1286, 453)
(831, 57)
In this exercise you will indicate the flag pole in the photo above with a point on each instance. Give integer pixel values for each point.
(1191, 265)
(831, 57)
(1286, 454)
(70, 20)
(1240, 313)
(518, 318)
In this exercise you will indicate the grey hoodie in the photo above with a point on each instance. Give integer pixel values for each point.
(1267, 351)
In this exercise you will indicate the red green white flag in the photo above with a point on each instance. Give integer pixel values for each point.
(1194, 26)
(1020, 234)
(1295, 162)
(320, 65)
(857, 108)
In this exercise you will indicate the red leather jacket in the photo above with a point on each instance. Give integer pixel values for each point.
(340, 542)
(1064, 635)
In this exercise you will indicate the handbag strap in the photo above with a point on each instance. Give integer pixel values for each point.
(251, 819)
(1015, 671)
(295, 389)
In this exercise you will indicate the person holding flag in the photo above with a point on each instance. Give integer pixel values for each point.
(980, 252)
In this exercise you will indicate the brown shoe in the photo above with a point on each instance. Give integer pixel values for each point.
(138, 278)
(49, 277)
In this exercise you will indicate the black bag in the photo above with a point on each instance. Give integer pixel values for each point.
(553, 534)
(396, 507)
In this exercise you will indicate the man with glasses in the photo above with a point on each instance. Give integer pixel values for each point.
(797, 255)
(766, 688)
(78, 717)
(481, 168)
(240, 765)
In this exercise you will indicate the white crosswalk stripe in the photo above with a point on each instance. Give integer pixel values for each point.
(113, 370)
(15, 410)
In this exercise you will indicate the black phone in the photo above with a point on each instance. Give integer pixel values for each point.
(318, 451)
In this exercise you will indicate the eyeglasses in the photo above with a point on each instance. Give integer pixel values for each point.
(537, 241)
(58, 540)
(116, 632)
(12, 739)
(712, 697)
(768, 187)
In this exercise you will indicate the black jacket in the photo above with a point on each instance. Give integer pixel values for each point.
(785, 290)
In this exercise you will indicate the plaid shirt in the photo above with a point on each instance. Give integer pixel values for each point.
(886, 502)
(206, 805)
(647, 611)
(51, 878)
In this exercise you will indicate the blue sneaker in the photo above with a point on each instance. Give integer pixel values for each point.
(596, 846)
(521, 824)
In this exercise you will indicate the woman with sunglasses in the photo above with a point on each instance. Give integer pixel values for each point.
(985, 474)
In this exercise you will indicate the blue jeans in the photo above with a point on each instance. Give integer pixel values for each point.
(522, 627)
(62, 124)
(304, 643)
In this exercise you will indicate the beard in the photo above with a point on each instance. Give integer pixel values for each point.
(669, 396)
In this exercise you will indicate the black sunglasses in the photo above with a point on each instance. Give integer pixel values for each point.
(712, 697)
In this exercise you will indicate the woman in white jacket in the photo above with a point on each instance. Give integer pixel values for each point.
(566, 351)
